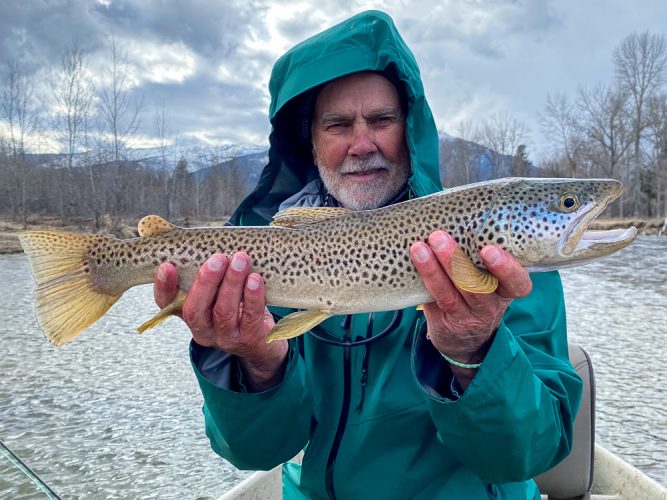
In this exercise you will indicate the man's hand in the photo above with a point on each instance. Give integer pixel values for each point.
(225, 308)
(461, 324)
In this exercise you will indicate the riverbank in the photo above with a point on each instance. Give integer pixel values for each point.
(125, 228)
(120, 228)
(649, 227)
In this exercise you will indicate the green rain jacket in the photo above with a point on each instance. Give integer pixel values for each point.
(381, 418)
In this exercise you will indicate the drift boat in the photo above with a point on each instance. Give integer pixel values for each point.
(590, 472)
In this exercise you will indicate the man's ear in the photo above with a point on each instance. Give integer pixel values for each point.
(313, 151)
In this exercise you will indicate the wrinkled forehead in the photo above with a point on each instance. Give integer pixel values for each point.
(356, 91)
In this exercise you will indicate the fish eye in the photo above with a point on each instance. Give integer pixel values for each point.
(569, 202)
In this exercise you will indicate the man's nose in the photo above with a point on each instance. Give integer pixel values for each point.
(363, 141)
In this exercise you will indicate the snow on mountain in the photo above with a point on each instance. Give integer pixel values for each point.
(456, 155)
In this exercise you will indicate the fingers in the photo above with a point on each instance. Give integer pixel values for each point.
(431, 262)
(165, 285)
(202, 294)
(514, 280)
(254, 305)
(226, 309)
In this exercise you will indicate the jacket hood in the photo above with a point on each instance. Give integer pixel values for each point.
(366, 42)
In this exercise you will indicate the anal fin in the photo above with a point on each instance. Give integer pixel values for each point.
(296, 324)
(174, 307)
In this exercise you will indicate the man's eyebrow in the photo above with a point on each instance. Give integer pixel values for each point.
(387, 110)
(334, 116)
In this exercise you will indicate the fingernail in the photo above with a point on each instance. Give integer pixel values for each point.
(492, 255)
(439, 240)
(238, 262)
(161, 275)
(421, 253)
(253, 283)
(215, 263)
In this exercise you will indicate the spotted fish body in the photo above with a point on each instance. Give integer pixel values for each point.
(330, 261)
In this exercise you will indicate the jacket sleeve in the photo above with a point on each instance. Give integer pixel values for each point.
(515, 419)
(253, 431)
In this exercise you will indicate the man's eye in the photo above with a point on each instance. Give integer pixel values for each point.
(336, 127)
(384, 121)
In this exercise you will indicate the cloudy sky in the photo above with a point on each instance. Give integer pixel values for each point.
(209, 61)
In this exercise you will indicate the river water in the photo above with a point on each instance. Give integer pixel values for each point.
(118, 415)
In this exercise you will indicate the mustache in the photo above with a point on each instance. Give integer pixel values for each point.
(360, 166)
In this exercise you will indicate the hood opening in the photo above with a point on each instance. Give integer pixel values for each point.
(366, 42)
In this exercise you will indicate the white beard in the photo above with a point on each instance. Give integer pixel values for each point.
(364, 195)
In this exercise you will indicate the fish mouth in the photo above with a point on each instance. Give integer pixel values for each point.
(613, 239)
(581, 243)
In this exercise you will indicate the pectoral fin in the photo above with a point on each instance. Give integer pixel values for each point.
(297, 324)
(175, 307)
(470, 278)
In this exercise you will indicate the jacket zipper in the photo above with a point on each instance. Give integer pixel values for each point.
(344, 411)
(347, 346)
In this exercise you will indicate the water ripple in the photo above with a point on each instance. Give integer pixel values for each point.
(616, 310)
(118, 415)
(112, 415)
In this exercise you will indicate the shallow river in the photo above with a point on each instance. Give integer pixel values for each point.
(117, 415)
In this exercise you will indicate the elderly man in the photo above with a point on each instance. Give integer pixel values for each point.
(468, 399)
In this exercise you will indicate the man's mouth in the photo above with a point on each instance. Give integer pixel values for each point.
(365, 173)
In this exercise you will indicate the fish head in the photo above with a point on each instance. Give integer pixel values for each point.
(545, 221)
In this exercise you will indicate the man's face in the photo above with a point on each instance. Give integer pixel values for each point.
(359, 140)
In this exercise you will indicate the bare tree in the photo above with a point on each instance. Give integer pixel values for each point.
(6, 178)
(559, 126)
(163, 134)
(640, 61)
(502, 134)
(19, 112)
(462, 169)
(73, 98)
(181, 185)
(604, 123)
(119, 119)
(657, 150)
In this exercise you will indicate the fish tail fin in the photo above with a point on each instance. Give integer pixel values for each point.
(66, 300)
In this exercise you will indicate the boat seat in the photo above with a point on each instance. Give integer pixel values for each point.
(572, 479)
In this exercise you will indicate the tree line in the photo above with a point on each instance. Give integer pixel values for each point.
(97, 171)
(616, 129)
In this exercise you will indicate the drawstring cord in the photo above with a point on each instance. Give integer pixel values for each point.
(364, 363)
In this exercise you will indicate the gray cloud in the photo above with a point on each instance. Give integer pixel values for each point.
(212, 29)
(34, 32)
(210, 61)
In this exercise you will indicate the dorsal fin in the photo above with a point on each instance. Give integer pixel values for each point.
(298, 216)
(154, 225)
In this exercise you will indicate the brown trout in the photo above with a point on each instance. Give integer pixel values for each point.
(328, 261)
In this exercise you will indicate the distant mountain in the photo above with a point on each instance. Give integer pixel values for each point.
(460, 160)
(247, 166)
